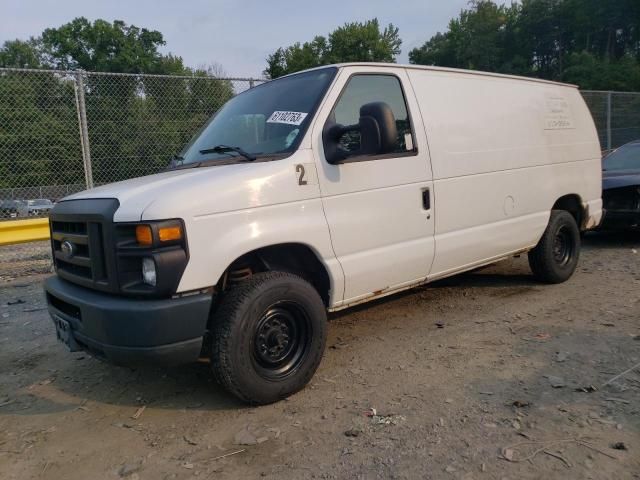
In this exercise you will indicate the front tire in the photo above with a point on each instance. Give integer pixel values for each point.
(269, 334)
(556, 256)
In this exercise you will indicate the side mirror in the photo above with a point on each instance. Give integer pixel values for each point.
(377, 128)
(378, 131)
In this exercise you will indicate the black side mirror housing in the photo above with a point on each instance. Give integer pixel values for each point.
(378, 133)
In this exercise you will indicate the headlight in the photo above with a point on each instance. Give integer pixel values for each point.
(151, 256)
(149, 271)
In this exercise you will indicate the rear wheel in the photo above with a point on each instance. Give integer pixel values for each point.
(269, 334)
(555, 257)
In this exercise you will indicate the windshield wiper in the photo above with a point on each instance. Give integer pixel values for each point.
(226, 149)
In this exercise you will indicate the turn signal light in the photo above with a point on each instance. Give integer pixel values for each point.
(144, 235)
(168, 234)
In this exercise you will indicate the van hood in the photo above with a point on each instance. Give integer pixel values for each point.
(201, 191)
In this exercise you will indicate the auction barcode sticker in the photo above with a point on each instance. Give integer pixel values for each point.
(290, 118)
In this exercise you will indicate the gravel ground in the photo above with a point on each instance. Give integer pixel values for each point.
(24, 259)
(484, 375)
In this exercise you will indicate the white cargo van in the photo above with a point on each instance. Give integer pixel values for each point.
(315, 192)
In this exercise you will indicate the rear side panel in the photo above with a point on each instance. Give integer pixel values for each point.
(502, 152)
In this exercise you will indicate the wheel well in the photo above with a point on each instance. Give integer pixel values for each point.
(287, 257)
(572, 204)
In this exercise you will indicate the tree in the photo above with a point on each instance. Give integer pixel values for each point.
(594, 73)
(38, 130)
(364, 42)
(353, 42)
(438, 50)
(102, 46)
(476, 40)
(593, 43)
(298, 57)
(21, 54)
(135, 121)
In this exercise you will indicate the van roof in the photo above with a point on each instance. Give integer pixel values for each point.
(441, 69)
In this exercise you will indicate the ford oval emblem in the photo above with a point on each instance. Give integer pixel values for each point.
(68, 249)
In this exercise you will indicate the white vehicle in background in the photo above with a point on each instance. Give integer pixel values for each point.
(35, 208)
(315, 192)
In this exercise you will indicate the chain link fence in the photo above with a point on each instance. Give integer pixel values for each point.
(616, 115)
(64, 131)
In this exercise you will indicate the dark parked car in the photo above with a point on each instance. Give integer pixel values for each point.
(10, 208)
(621, 187)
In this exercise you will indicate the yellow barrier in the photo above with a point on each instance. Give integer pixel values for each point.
(22, 231)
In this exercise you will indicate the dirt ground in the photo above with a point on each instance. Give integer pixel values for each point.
(485, 375)
(24, 259)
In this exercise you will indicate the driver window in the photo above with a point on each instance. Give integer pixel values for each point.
(363, 89)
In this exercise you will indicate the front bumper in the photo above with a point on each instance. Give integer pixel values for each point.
(128, 331)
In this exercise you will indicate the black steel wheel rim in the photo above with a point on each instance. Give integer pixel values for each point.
(563, 246)
(281, 340)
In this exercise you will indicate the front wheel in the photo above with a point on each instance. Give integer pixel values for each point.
(555, 257)
(269, 334)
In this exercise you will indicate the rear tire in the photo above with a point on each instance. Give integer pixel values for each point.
(556, 256)
(269, 334)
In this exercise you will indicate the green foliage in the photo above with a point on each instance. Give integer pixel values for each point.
(21, 54)
(107, 47)
(353, 42)
(592, 43)
(136, 121)
(364, 42)
(38, 131)
(593, 73)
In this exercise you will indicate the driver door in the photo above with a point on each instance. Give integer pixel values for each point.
(378, 206)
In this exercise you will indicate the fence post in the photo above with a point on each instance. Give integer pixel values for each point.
(609, 95)
(251, 83)
(84, 132)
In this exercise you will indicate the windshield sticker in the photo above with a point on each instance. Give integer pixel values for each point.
(290, 118)
(291, 137)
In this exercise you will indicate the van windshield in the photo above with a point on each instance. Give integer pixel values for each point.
(264, 122)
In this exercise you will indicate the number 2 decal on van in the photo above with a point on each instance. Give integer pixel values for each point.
(306, 174)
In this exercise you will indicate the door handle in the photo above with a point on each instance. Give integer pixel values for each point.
(426, 199)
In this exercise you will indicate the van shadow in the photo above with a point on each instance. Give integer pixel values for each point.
(504, 281)
(82, 380)
(487, 278)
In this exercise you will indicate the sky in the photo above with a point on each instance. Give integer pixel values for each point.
(238, 34)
